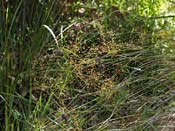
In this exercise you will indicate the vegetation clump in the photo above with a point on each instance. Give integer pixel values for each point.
(86, 65)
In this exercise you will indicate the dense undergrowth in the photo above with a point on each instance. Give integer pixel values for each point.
(86, 65)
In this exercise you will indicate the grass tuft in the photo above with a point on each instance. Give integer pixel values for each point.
(97, 65)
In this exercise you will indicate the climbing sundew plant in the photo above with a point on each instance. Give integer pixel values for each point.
(86, 65)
